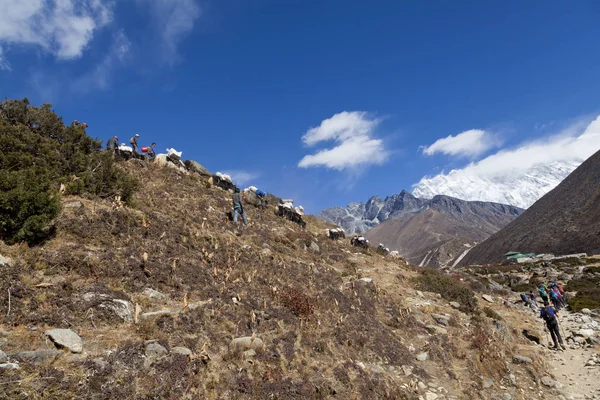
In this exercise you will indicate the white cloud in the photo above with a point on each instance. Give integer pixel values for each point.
(173, 20)
(471, 143)
(353, 133)
(522, 174)
(63, 28)
(100, 76)
(241, 178)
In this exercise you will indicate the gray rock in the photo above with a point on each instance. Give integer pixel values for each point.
(73, 204)
(366, 280)
(441, 319)
(506, 396)
(438, 330)
(184, 351)
(422, 356)
(3, 357)
(154, 294)
(488, 383)
(586, 333)
(314, 247)
(455, 305)
(9, 366)
(487, 298)
(242, 344)
(194, 166)
(120, 307)
(586, 311)
(249, 354)
(154, 350)
(547, 381)
(522, 360)
(37, 356)
(431, 396)
(66, 338)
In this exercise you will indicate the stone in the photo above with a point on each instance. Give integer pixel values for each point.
(433, 329)
(9, 366)
(431, 396)
(184, 351)
(455, 305)
(549, 382)
(506, 396)
(66, 338)
(37, 356)
(239, 345)
(586, 311)
(314, 247)
(422, 385)
(249, 354)
(3, 357)
(586, 333)
(154, 294)
(5, 260)
(196, 167)
(366, 280)
(407, 369)
(119, 306)
(154, 350)
(488, 383)
(441, 319)
(522, 360)
(73, 204)
(419, 293)
(487, 298)
(422, 356)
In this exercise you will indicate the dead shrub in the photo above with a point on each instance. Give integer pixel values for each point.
(297, 302)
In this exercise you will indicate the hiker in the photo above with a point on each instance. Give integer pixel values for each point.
(151, 153)
(237, 206)
(556, 298)
(534, 303)
(563, 295)
(526, 300)
(113, 144)
(543, 294)
(134, 145)
(549, 315)
(261, 196)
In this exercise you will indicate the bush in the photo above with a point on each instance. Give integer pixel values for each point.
(38, 153)
(450, 289)
(580, 284)
(492, 314)
(588, 298)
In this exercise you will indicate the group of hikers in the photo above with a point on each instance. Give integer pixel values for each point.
(131, 151)
(549, 313)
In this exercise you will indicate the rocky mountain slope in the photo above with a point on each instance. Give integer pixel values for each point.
(518, 188)
(443, 230)
(566, 220)
(360, 217)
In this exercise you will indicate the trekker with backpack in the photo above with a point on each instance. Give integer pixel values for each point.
(543, 294)
(534, 303)
(555, 297)
(113, 144)
(238, 208)
(549, 315)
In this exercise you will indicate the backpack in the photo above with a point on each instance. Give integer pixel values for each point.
(553, 295)
(543, 293)
(548, 313)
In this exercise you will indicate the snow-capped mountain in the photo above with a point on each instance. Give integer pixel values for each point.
(517, 188)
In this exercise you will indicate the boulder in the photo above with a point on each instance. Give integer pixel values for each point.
(441, 319)
(37, 356)
(184, 351)
(314, 247)
(366, 280)
(154, 294)
(66, 338)
(586, 311)
(433, 329)
(488, 383)
(586, 333)
(5, 261)
(455, 305)
(194, 166)
(3, 357)
(522, 360)
(549, 382)
(9, 366)
(114, 302)
(422, 356)
(431, 396)
(153, 352)
(242, 344)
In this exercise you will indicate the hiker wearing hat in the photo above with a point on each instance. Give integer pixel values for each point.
(548, 313)
(134, 144)
(113, 144)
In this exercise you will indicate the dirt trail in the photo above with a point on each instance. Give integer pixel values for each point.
(580, 381)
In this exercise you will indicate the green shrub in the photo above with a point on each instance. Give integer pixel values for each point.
(580, 284)
(492, 314)
(588, 298)
(451, 289)
(38, 153)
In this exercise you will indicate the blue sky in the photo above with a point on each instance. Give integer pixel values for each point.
(260, 88)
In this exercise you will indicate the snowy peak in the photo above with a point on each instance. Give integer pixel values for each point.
(520, 188)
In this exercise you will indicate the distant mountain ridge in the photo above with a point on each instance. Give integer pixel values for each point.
(564, 221)
(517, 188)
(426, 232)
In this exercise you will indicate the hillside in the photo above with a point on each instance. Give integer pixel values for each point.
(564, 221)
(442, 232)
(163, 297)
